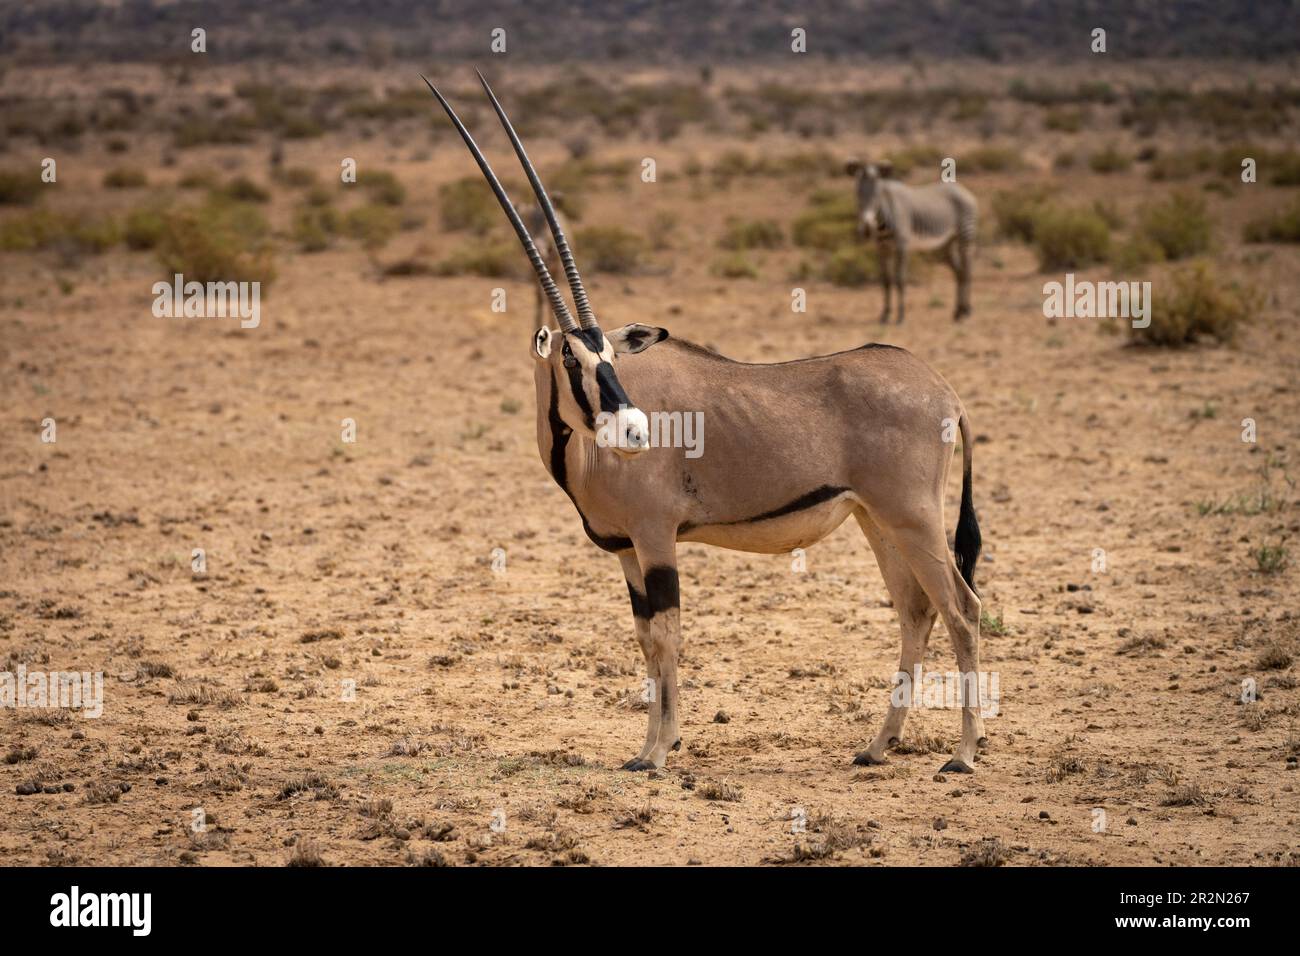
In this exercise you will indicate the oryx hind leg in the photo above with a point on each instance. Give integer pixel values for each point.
(923, 545)
(916, 617)
(661, 612)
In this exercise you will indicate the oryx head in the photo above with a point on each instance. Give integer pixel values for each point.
(590, 398)
(868, 176)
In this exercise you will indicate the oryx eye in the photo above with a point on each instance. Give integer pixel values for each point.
(567, 353)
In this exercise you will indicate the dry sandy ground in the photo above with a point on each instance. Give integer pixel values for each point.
(514, 695)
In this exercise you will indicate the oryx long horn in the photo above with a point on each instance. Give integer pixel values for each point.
(585, 315)
(567, 324)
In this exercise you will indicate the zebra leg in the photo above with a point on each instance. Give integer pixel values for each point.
(962, 269)
(900, 275)
(885, 256)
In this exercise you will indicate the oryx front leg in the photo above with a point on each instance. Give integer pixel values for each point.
(662, 615)
(641, 621)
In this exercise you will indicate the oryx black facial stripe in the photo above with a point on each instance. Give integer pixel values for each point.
(580, 395)
(612, 396)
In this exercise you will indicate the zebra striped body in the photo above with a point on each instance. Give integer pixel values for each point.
(902, 218)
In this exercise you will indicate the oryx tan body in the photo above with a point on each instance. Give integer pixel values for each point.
(790, 451)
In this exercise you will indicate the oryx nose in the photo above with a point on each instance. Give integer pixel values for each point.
(636, 430)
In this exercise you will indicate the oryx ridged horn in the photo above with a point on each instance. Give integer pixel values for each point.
(558, 306)
(585, 314)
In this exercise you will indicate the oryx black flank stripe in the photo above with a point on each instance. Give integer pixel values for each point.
(662, 589)
(560, 433)
(812, 499)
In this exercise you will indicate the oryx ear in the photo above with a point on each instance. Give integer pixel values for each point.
(542, 342)
(853, 167)
(635, 337)
(886, 169)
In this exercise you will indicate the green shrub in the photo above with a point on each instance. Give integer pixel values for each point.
(852, 264)
(219, 241)
(1110, 160)
(468, 204)
(752, 234)
(912, 157)
(1180, 164)
(487, 258)
(314, 227)
(610, 248)
(1179, 225)
(1194, 304)
(372, 225)
(990, 159)
(296, 177)
(735, 266)
(1281, 226)
(829, 222)
(1064, 120)
(19, 188)
(1069, 238)
(1284, 169)
(383, 187)
(1016, 210)
(72, 232)
(1136, 252)
(125, 178)
(143, 228)
(198, 179)
(243, 189)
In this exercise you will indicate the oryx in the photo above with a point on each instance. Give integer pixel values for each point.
(794, 448)
(902, 218)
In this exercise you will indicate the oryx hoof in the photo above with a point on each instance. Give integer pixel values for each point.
(865, 759)
(956, 765)
(982, 743)
(637, 765)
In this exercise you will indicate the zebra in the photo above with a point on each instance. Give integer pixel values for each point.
(902, 218)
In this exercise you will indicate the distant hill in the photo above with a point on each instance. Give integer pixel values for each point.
(635, 30)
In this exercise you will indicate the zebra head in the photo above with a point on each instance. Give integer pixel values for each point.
(868, 177)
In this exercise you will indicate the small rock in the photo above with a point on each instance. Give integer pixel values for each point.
(940, 823)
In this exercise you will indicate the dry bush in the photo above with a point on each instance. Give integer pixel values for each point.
(752, 234)
(610, 248)
(468, 204)
(372, 225)
(1197, 305)
(1016, 211)
(19, 187)
(1280, 226)
(1067, 238)
(219, 241)
(1179, 225)
(125, 177)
